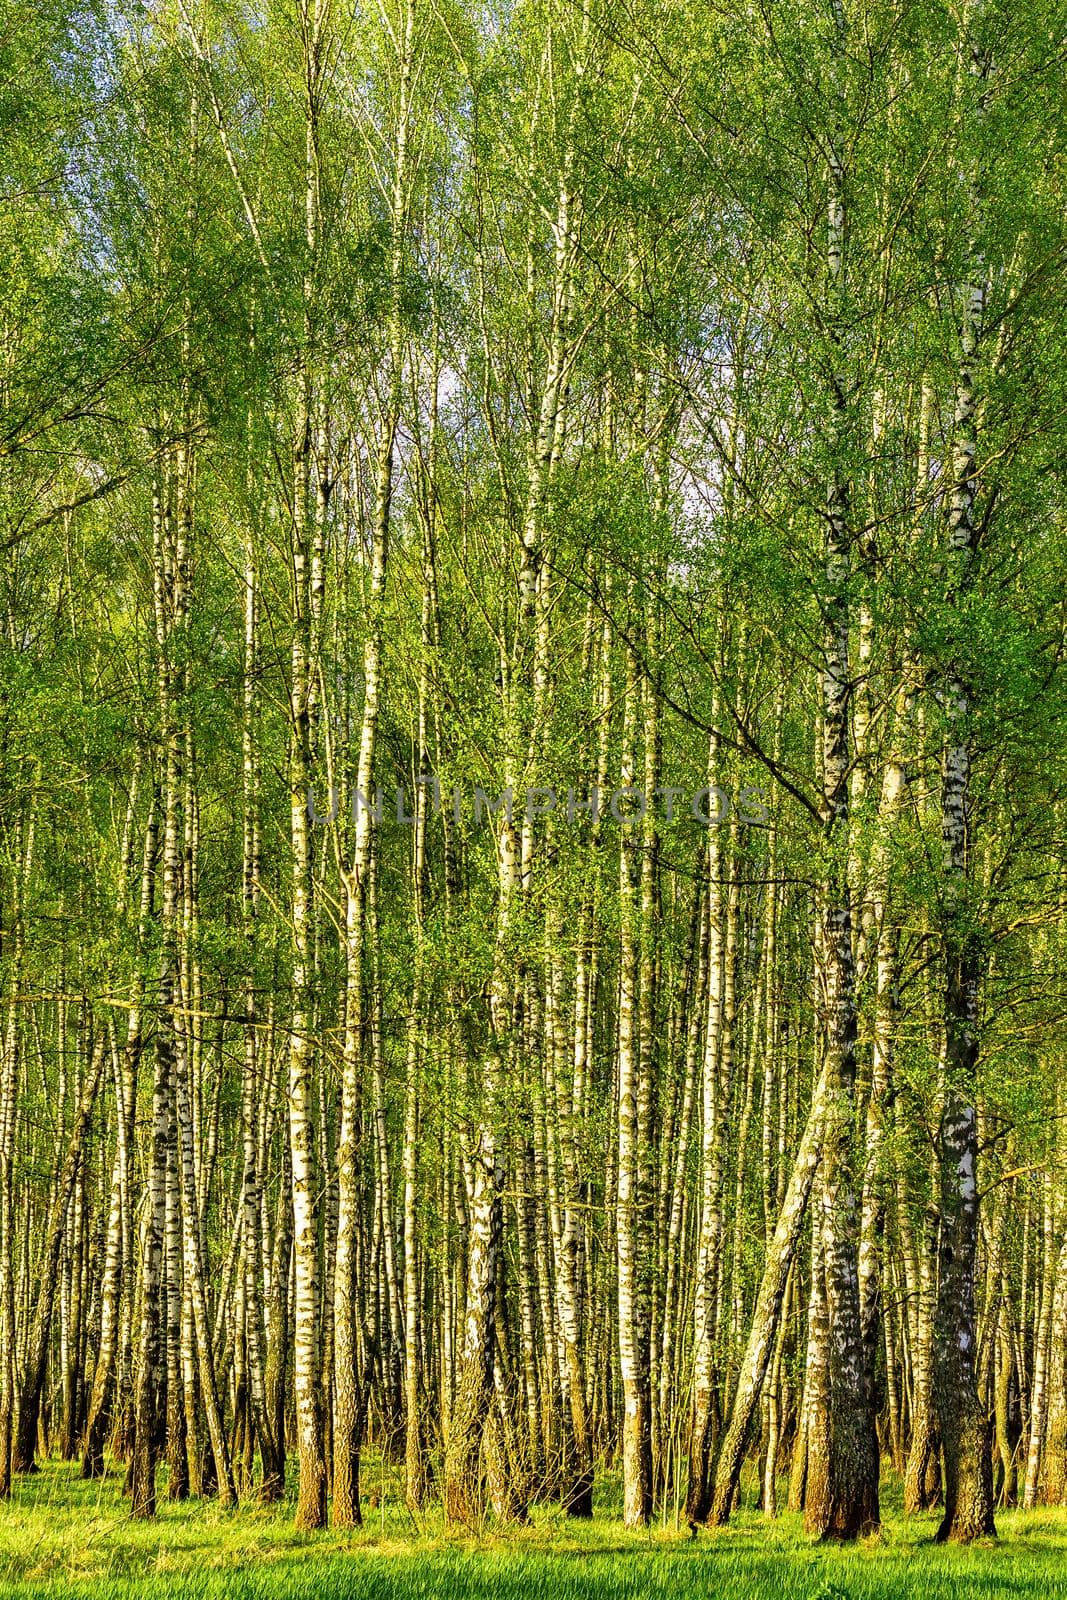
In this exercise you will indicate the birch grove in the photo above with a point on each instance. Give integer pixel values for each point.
(532, 792)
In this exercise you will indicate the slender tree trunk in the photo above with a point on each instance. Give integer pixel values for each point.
(37, 1343)
(965, 1428)
(711, 1221)
(630, 1222)
(764, 1325)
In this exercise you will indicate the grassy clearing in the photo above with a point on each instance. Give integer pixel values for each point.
(62, 1538)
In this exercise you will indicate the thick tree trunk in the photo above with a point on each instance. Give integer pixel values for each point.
(473, 1399)
(851, 1503)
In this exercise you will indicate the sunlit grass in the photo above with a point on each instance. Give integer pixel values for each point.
(61, 1537)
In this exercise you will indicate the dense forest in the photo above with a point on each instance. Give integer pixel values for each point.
(532, 782)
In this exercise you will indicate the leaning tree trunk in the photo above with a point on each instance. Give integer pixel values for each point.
(764, 1325)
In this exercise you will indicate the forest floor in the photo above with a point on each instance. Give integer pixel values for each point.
(60, 1537)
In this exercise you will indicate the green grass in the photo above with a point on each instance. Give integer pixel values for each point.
(61, 1539)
